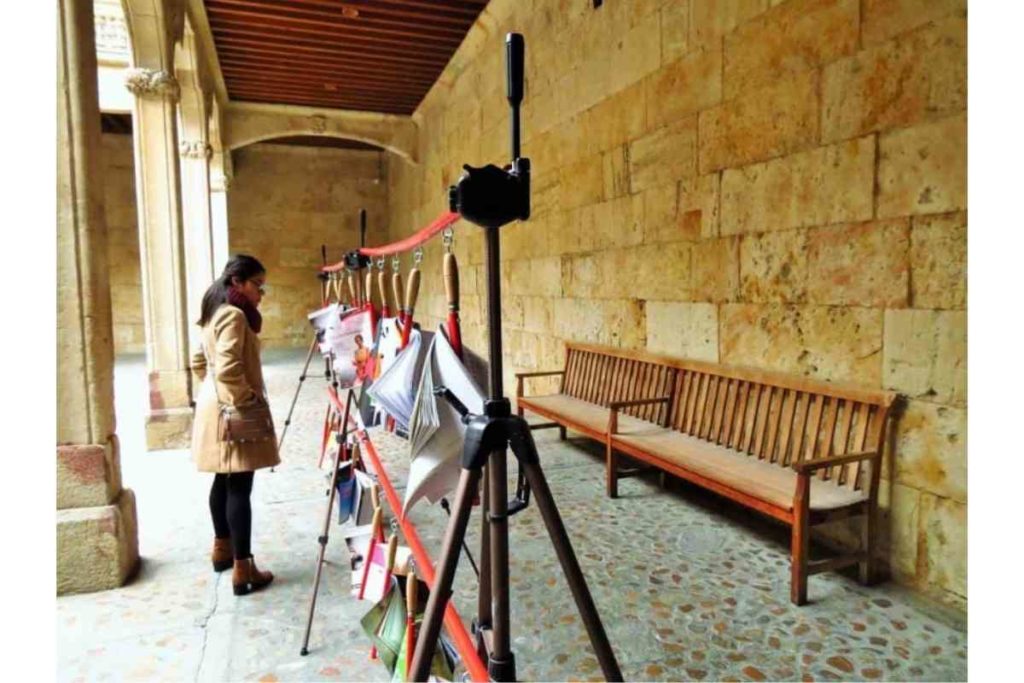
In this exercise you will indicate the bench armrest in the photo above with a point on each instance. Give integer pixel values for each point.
(619, 405)
(520, 376)
(821, 463)
(615, 406)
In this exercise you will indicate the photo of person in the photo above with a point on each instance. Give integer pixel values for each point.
(346, 340)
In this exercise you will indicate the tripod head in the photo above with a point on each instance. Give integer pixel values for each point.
(490, 196)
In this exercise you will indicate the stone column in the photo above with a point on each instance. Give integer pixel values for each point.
(195, 201)
(161, 247)
(220, 182)
(97, 531)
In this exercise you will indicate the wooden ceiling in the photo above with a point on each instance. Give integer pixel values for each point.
(370, 55)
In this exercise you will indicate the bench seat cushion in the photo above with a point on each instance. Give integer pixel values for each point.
(745, 473)
(592, 417)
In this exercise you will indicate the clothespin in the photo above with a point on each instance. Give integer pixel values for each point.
(411, 597)
(376, 536)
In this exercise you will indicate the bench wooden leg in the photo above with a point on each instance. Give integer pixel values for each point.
(611, 471)
(799, 542)
(561, 433)
(867, 566)
(663, 479)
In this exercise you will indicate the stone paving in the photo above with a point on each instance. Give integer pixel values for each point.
(689, 587)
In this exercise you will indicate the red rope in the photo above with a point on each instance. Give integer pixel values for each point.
(411, 242)
(424, 565)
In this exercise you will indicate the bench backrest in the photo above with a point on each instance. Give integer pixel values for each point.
(599, 375)
(775, 417)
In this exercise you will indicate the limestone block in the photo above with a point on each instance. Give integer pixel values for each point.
(931, 449)
(668, 153)
(804, 34)
(675, 30)
(615, 166)
(614, 120)
(546, 193)
(690, 84)
(883, 19)
(938, 261)
(645, 272)
(537, 314)
(716, 270)
(97, 547)
(612, 322)
(582, 183)
(773, 267)
(685, 330)
(925, 354)
(827, 185)
(635, 52)
(863, 264)
(616, 223)
(711, 19)
(898, 521)
(545, 276)
(944, 544)
(776, 119)
(88, 475)
(687, 210)
(826, 342)
(169, 428)
(910, 79)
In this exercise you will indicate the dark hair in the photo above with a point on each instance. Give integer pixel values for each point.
(238, 266)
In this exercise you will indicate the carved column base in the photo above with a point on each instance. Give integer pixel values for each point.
(97, 547)
(169, 428)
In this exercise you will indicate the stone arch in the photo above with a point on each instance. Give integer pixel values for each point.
(248, 124)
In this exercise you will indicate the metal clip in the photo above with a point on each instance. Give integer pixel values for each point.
(417, 256)
(396, 263)
(448, 239)
(380, 263)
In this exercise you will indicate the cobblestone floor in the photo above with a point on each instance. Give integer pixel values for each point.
(689, 588)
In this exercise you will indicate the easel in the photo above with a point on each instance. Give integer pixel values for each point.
(492, 197)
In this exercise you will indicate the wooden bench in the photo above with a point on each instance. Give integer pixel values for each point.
(799, 450)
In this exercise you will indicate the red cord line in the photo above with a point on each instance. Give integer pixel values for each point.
(411, 242)
(424, 565)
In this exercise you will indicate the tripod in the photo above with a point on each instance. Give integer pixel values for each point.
(492, 197)
(324, 291)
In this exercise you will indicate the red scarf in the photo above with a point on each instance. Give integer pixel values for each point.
(252, 316)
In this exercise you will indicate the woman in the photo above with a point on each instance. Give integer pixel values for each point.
(229, 365)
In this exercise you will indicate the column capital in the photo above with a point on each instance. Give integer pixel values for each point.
(195, 149)
(151, 83)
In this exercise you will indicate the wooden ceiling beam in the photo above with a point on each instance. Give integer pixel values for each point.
(319, 28)
(340, 85)
(428, 55)
(242, 67)
(297, 56)
(368, 16)
(322, 95)
(464, 11)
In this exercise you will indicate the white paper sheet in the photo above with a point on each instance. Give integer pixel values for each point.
(394, 390)
(436, 436)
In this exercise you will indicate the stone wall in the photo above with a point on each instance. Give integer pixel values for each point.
(123, 244)
(776, 184)
(285, 201)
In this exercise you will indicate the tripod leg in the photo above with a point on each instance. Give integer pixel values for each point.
(484, 617)
(571, 567)
(295, 398)
(501, 663)
(442, 588)
(323, 548)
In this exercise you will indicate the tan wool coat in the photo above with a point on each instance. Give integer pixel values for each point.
(236, 379)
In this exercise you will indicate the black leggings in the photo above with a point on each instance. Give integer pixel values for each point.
(231, 510)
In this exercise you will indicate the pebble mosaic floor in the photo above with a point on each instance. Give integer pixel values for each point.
(689, 587)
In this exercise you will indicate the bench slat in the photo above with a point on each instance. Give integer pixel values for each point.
(860, 436)
(786, 426)
(841, 444)
(799, 427)
(814, 424)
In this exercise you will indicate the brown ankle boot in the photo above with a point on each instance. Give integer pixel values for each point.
(221, 555)
(246, 578)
